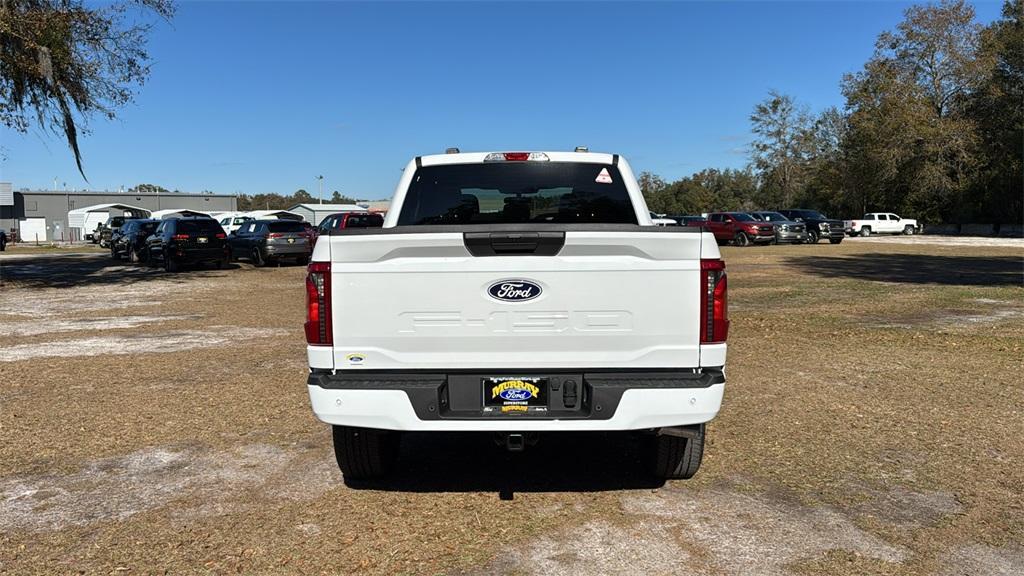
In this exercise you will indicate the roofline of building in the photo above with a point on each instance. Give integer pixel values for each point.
(116, 193)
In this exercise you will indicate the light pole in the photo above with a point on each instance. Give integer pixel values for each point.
(321, 179)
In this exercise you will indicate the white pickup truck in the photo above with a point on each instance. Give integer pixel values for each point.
(517, 293)
(880, 223)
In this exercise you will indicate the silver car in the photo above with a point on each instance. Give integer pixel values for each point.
(786, 230)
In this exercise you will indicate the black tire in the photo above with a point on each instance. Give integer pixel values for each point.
(835, 240)
(812, 237)
(222, 263)
(741, 239)
(678, 458)
(865, 231)
(364, 453)
(132, 256)
(302, 261)
(257, 258)
(170, 265)
(908, 230)
(113, 253)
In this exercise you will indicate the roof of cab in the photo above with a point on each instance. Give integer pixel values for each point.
(478, 157)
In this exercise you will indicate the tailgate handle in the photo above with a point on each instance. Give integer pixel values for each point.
(514, 243)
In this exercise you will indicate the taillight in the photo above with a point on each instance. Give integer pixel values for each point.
(180, 237)
(516, 157)
(221, 236)
(274, 235)
(714, 307)
(318, 304)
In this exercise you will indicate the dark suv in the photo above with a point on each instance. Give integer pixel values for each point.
(129, 241)
(263, 241)
(818, 225)
(178, 241)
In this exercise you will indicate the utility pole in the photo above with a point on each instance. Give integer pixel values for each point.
(321, 180)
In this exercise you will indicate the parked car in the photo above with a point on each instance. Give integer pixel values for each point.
(264, 241)
(232, 222)
(880, 223)
(786, 230)
(818, 225)
(129, 241)
(107, 230)
(661, 220)
(3, 239)
(343, 220)
(487, 328)
(179, 241)
(740, 228)
(688, 220)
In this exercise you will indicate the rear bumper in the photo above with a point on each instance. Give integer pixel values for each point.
(434, 402)
(288, 250)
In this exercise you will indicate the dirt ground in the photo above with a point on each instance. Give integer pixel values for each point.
(156, 423)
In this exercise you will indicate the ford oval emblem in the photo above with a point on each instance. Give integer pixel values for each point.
(517, 290)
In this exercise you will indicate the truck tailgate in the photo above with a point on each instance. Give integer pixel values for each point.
(608, 299)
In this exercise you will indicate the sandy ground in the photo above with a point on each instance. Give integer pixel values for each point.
(920, 240)
(158, 423)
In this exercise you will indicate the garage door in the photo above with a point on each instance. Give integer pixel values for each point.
(32, 229)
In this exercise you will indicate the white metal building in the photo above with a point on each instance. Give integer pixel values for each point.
(315, 213)
(85, 220)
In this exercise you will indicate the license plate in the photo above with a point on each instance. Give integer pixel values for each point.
(515, 395)
(202, 240)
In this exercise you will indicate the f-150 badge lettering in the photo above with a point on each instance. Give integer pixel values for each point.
(514, 290)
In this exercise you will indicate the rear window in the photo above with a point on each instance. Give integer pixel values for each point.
(364, 221)
(517, 192)
(198, 226)
(286, 226)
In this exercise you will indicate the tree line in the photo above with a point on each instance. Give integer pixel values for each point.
(932, 126)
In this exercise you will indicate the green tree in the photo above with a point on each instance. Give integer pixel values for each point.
(148, 189)
(998, 110)
(911, 146)
(302, 197)
(61, 62)
(780, 148)
(338, 198)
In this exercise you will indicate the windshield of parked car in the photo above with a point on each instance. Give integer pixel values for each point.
(773, 217)
(517, 192)
(743, 217)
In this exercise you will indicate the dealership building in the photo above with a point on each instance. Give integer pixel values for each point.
(43, 214)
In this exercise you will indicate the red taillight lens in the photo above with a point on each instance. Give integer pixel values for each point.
(221, 236)
(274, 235)
(714, 305)
(517, 156)
(180, 237)
(318, 304)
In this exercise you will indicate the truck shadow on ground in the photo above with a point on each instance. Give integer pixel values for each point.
(89, 269)
(917, 268)
(558, 462)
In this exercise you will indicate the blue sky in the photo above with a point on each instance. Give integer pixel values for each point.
(263, 97)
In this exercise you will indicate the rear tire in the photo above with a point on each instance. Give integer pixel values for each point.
(170, 265)
(741, 239)
(908, 230)
(257, 258)
(865, 232)
(364, 453)
(678, 458)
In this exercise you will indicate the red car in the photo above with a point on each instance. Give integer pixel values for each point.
(739, 228)
(343, 220)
